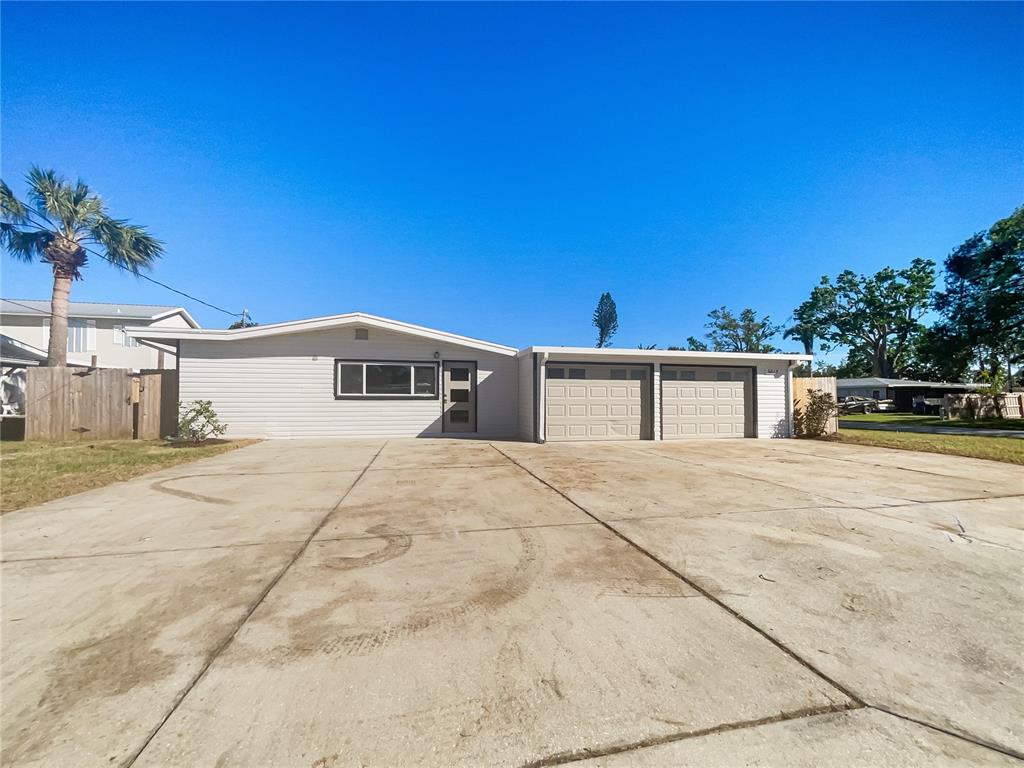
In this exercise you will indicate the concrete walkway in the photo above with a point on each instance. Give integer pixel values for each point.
(923, 428)
(320, 604)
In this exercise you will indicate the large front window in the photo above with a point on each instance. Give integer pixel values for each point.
(358, 379)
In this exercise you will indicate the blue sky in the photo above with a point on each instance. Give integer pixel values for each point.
(491, 169)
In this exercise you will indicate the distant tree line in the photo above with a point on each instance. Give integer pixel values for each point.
(879, 319)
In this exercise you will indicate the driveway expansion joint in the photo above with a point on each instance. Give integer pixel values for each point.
(693, 585)
(678, 460)
(589, 753)
(1003, 750)
(140, 552)
(222, 646)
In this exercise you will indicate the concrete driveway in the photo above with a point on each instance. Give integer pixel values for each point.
(327, 604)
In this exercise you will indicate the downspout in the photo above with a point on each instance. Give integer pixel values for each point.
(540, 399)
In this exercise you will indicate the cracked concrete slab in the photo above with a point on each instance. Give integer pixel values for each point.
(533, 641)
(95, 650)
(891, 608)
(865, 738)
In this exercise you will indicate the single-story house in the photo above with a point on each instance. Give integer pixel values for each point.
(357, 375)
(96, 331)
(901, 391)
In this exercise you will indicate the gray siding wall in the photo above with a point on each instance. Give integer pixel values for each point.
(283, 386)
(773, 406)
(526, 404)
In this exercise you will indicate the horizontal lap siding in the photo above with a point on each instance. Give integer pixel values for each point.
(275, 388)
(772, 401)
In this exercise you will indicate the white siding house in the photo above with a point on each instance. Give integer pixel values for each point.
(358, 375)
(96, 330)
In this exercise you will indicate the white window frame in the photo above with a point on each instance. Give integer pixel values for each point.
(410, 395)
(84, 331)
(122, 339)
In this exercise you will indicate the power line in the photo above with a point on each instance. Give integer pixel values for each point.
(26, 306)
(28, 215)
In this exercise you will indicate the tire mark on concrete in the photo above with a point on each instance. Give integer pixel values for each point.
(396, 544)
(160, 485)
(230, 638)
(313, 632)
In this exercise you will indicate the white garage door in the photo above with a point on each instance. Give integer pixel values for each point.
(705, 402)
(597, 402)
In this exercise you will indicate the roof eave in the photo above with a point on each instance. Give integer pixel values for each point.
(318, 324)
(664, 354)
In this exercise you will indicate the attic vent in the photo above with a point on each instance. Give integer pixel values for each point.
(362, 334)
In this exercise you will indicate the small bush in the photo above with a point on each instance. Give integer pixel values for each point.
(811, 419)
(198, 422)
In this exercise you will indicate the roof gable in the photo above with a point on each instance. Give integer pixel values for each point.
(351, 319)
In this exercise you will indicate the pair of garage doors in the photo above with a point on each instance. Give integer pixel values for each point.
(601, 402)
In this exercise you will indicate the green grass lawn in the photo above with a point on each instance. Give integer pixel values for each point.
(1005, 449)
(933, 421)
(34, 472)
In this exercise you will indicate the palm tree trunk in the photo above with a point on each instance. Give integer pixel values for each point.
(57, 350)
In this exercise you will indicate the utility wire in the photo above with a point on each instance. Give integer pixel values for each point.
(28, 215)
(26, 306)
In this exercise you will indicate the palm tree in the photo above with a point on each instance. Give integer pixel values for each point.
(57, 226)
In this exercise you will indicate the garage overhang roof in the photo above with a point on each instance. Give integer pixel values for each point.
(590, 354)
(354, 319)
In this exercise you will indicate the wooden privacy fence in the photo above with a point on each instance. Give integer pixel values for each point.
(970, 406)
(157, 410)
(821, 383)
(99, 403)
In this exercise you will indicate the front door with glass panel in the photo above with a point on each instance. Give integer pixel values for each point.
(459, 397)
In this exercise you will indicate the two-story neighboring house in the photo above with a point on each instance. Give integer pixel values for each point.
(95, 329)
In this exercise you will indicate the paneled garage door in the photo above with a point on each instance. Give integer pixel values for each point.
(597, 402)
(705, 402)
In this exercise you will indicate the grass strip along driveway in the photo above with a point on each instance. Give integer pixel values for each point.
(36, 472)
(991, 448)
(932, 421)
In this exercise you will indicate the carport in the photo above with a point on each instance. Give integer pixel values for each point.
(576, 393)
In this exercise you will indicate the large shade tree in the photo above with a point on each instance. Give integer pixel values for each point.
(982, 305)
(59, 223)
(878, 317)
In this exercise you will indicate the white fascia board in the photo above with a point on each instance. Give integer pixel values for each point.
(177, 311)
(319, 324)
(168, 348)
(586, 354)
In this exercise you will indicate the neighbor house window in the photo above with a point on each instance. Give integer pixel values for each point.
(384, 380)
(78, 336)
(122, 339)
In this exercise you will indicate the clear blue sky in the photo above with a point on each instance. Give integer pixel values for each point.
(491, 169)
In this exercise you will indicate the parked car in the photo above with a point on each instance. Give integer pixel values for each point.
(855, 404)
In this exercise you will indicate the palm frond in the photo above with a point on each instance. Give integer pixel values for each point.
(24, 244)
(127, 245)
(50, 196)
(12, 210)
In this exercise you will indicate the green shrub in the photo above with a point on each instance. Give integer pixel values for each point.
(811, 420)
(198, 422)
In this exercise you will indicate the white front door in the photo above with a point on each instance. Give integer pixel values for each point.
(459, 399)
